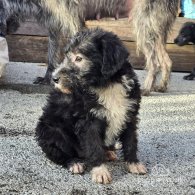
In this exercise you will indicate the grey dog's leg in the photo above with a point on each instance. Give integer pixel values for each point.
(53, 57)
(151, 26)
(13, 23)
(166, 65)
(3, 15)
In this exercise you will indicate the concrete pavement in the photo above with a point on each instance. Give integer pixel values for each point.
(166, 142)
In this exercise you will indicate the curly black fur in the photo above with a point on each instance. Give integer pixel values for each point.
(186, 36)
(75, 125)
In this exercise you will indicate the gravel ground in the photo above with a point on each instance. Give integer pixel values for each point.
(166, 146)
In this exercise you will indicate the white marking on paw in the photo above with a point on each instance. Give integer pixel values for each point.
(137, 168)
(101, 175)
(77, 168)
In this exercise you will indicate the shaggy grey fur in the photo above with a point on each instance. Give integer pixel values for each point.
(152, 20)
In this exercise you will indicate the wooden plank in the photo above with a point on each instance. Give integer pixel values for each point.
(31, 27)
(34, 49)
(121, 27)
(183, 57)
(27, 48)
(124, 29)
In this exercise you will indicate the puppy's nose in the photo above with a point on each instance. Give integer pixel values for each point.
(176, 41)
(56, 79)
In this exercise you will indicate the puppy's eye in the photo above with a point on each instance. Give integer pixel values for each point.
(78, 59)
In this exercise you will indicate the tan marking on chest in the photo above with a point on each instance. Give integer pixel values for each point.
(115, 107)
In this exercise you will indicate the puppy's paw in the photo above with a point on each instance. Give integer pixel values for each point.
(76, 168)
(136, 168)
(111, 155)
(101, 175)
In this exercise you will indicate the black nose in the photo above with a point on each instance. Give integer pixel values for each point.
(56, 79)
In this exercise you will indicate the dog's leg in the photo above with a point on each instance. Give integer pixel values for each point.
(152, 68)
(166, 64)
(91, 139)
(63, 154)
(53, 56)
(3, 17)
(151, 27)
(4, 57)
(129, 142)
(58, 147)
(13, 23)
(55, 152)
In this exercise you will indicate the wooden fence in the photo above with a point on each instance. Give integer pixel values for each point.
(29, 43)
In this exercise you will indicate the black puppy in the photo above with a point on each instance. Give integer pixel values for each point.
(95, 102)
(186, 36)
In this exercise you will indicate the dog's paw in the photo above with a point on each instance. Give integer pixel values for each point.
(41, 81)
(101, 175)
(111, 155)
(76, 168)
(189, 77)
(160, 89)
(145, 92)
(136, 168)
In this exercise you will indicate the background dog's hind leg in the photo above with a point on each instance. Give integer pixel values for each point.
(153, 69)
(152, 21)
(166, 64)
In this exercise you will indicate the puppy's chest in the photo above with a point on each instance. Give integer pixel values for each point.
(115, 106)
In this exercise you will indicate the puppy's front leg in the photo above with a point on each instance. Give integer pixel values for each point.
(91, 139)
(129, 142)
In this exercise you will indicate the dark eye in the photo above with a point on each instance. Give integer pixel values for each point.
(78, 59)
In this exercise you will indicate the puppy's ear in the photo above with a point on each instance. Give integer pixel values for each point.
(114, 56)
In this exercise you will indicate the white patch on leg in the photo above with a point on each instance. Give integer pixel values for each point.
(76, 168)
(101, 175)
(137, 168)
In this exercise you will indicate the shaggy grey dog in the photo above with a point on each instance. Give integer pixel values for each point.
(152, 20)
